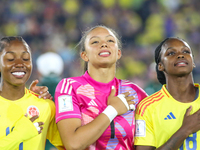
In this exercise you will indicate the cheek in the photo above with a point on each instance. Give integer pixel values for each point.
(29, 65)
(6, 64)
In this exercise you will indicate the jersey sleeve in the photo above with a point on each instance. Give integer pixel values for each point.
(23, 130)
(67, 105)
(144, 132)
(53, 134)
(141, 93)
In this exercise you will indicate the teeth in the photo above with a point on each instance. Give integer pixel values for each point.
(181, 63)
(18, 73)
(104, 53)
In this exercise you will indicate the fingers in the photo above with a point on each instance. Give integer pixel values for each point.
(43, 91)
(38, 126)
(188, 111)
(32, 119)
(26, 115)
(33, 84)
(126, 94)
(123, 99)
(127, 100)
(113, 91)
(132, 107)
(45, 94)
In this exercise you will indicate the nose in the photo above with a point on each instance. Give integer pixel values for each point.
(104, 45)
(19, 63)
(180, 56)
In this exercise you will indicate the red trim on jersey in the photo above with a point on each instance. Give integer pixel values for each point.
(165, 91)
(147, 100)
(151, 103)
(29, 91)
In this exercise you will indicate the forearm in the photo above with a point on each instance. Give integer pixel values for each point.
(175, 141)
(10, 142)
(85, 135)
(23, 130)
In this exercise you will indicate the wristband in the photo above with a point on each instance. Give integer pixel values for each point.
(122, 97)
(110, 112)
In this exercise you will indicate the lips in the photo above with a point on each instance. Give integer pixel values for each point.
(104, 53)
(18, 74)
(181, 63)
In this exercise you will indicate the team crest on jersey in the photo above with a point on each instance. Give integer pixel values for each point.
(32, 111)
(65, 103)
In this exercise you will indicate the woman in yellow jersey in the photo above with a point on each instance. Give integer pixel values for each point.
(170, 118)
(26, 120)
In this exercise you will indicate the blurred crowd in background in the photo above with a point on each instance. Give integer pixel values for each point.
(57, 26)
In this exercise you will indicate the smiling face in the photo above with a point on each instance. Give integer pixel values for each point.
(101, 48)
(16, 63)
(176, 58)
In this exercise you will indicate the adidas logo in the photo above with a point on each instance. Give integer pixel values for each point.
(170, 116)
(92, 103)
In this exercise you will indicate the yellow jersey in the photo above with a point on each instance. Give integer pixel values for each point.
(17, 132)
(159, 116)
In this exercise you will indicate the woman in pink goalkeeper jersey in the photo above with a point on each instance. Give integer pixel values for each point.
(96, 110)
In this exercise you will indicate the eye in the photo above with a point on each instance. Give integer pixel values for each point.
(170, 53)
(94, 42)
(10, 59)
(111, 41)
(186, 51)
(26, 59)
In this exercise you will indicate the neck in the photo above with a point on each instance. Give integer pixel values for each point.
(181, 88)
(103, 75)
(12, 92)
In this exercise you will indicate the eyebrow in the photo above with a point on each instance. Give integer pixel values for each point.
(10, 52)
(173, 47)
(98, 36)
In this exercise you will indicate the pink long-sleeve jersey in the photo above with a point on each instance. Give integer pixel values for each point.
(84, 98)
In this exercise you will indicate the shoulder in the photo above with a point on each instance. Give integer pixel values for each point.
(131, 84)
(69, 85)
(70, 81)
(149, 103)
(135, 87)
(34, 97)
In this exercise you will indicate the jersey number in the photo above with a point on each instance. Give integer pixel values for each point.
(189, 140)
(8, 132)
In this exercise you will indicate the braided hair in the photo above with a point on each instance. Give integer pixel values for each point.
(160, 75)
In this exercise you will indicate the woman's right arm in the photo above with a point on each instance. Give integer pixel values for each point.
(23, 130)
(191, 124)
(75, 136)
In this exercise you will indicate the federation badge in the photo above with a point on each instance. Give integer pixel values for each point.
(140, 128)
(65, 103)
(32, 111)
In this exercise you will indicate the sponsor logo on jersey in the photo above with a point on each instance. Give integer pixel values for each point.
(170, 116)
(32, 111)
(140, 128)
(92, 103)
(65, 103)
